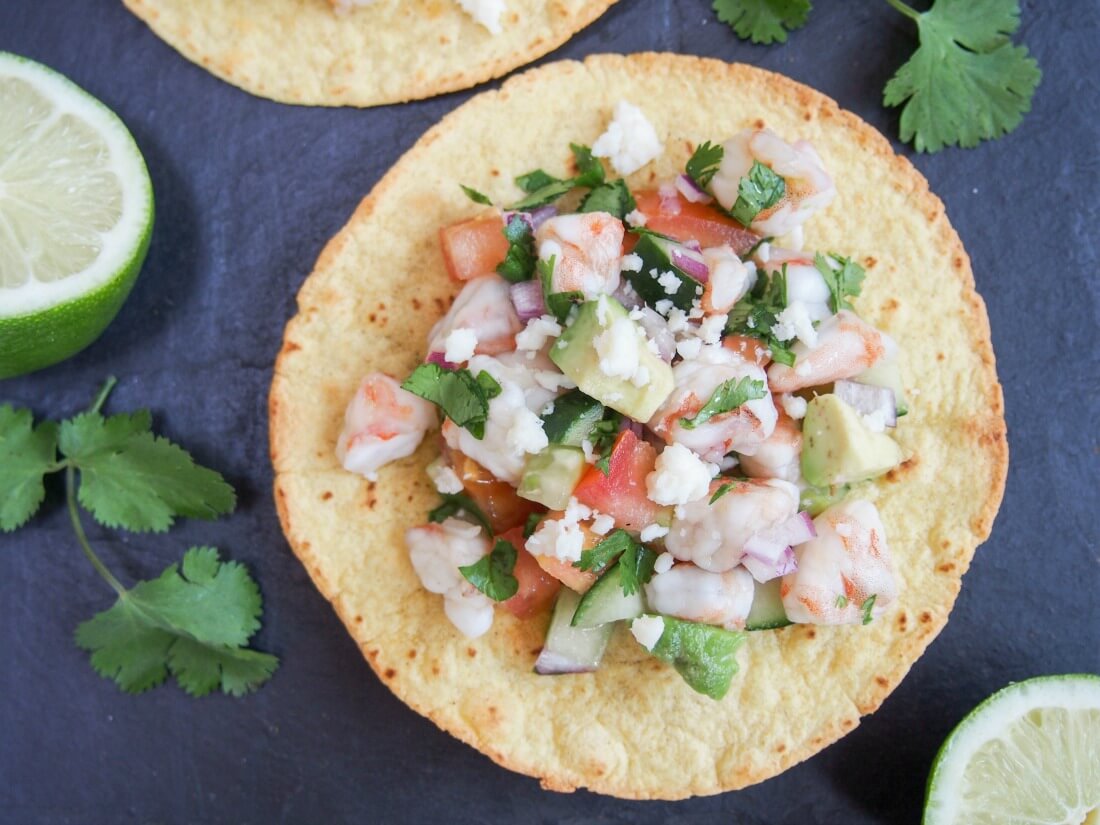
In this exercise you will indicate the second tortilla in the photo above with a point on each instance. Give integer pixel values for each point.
(302, 51)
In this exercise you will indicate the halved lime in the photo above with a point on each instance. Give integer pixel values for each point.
(76, 213)
(1027, 755)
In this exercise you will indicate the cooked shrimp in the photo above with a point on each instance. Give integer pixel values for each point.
(689, 593)
(587, 248)
(809, 187)
(780, 456)
(513, 429)
(743, 429)
(484, 307)
(846, 346)
(382, 424)
(713, 536)
(840, 570)
(730, 278)
(436, 552)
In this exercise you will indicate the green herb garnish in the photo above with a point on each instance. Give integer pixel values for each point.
(458, 505)
(543, 188)
(532, 524)
(760, 189)
(729, 395)
(763, 21)
(867, 606)
(756, 313)
(721, 491)
(492, 573)
(476, 196)
(519, 263)
(600, 557)
(841, 601)
(613, 198)
(636, 564)
(463, 398)
(704, 163)
(844, 283)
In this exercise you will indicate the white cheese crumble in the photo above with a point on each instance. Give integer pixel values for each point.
(601, 310)
(602, 524)
(653, 532)
(630, 141)
(561, 538)
(636, 218)
(710, 331)
(793, 406)
(444, 477)
(876, 421)
(677, 321)
(486, 13)
(648, 630)
(663, 306)
(669, 282)
(460, 345)
(689, 348)
(534, 336)
(679, 476)
(664, 563)
(618, 349)
(795, 322)
(526, 434)
(630, 263)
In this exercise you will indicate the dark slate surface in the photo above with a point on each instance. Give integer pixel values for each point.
(248, 192)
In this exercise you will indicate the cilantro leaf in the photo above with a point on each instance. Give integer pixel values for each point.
(534, 181)
(760, 189)
(459, 504)
(589, 170)
(543, 188)
(727, 396)
(492, 573)
(132, 479)
(463, 398)
(476, 196)
(868, 606)
(966, 82)
(613, 198)
(603, 438)
(841, 601)
(519, 263)
(704, 163)
(763, 21)
(599, 558)
(843, 283)
(558, 304)
(27, 454)
(636, 563)
(755, 314)
(192, 623)
(721, 491)
(544, 195)
(532, 524)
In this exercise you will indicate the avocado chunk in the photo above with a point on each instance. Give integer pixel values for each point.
(886, 374)
(550, 476)
(838, 448)
(657, 254)
(573, 418)
(577, 356)
(816, 500)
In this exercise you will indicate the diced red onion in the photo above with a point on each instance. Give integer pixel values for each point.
(535, 218)
(798, 529)
(788, 564)
(627, 296)
(869, 400)
(551, 663)
(670, 199)
(527, 299)
(657, 329)
(694, 266)
(440, 359)
(768, 554)
(632, 425)
(694, 245)
(690, 190)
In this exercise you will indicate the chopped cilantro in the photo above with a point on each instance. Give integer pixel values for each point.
(636, 563)
(843, 283)
(867, 607)
(755, 314)
(532, 524)
(721, 491)
(557, 303)
(729, 395)
(763, 21)
(476, 196)
(519, 263)
(599, 558)
(463, 398)
(613, 197)
(590, 172)
(967, 82)
(459, 504)
(704, 162)
(534, 181)
(841, 601)
(760, 189)
(492, 573)
(603, 438)
(543, 188)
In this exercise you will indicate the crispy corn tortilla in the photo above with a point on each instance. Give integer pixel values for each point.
(301, 51)
(634, 728)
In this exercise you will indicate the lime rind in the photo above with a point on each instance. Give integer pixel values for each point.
(992, 719)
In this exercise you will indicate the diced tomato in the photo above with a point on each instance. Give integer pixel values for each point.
(537, 588)
(497, 499)
(751, 349)
(474, 247)
(622, 493)
(687, 221)
(575, 579)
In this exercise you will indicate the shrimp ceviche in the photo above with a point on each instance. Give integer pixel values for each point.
(656, 407)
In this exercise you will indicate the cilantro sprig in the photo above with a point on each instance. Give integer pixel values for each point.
(635, 560)
(704, 162)
(492, 573)
(763, 21)
(519, 262)
(844, 282)
(557, 303)
(459, 505)
(461, 396)
(760, 189)
(727, 396)
(967, 82)
(613, 197)
(755, 314)
(193, 621)
(543, 188)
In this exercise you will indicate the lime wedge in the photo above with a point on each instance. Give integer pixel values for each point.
(1027, 755)
(76, 212)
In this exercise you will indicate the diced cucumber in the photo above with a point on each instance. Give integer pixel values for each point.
(605, 601)
(886, 374)
(656, 254)
(571, 649)
(550, 476)
(767, 611)
(574, 417)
